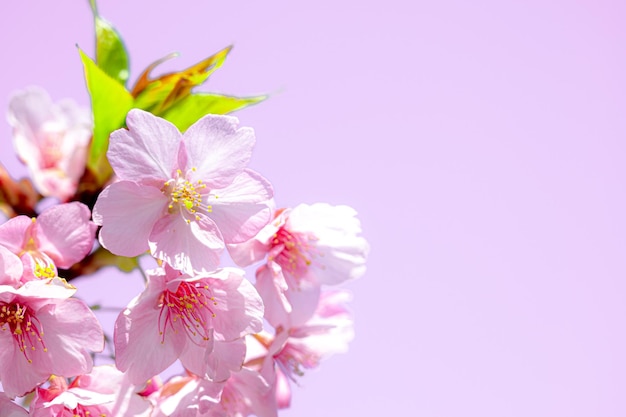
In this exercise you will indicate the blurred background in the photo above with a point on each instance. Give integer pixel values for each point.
(482, 144)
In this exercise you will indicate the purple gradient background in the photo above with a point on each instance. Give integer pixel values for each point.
(481, 142)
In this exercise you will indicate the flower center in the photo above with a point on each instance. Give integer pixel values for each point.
(293, 358)
(188, 308)
(24, 326)
(184, 195)
(44, 271)
(292, 251)
(50, 145)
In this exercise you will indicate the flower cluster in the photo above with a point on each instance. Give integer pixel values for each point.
(183, 199)
(162, 174)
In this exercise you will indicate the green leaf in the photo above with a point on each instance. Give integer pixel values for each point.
(94, 6)
(109, 103)
(111, 54)
(126, 264)
(159, 94)
(188, 110)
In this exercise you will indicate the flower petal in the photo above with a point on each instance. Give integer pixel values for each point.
(17, 376)
(13, 233)
(270, 283)
(11, 268)
(187, 247)
(225, 358)
(10, 409)
(148, 150)
(140, 350)
(127, 213)
(72, 333)
(238, 307)
(218, 149)
(243, 208)
(65, 233)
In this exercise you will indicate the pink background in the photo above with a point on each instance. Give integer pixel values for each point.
(482, 143)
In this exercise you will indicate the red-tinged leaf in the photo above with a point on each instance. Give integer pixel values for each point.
(159, 94)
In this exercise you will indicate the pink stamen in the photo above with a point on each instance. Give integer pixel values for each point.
(295, 255)
(24, 326)
(189, 307)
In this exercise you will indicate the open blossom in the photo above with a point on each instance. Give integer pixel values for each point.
(294, 349)
(51, 139)
(181, 196)
(180, 316)
(306, 247)
(105, 391)
(317, 243)
(59, 237)
(43, 332)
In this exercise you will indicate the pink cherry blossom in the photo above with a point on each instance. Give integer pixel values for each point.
(181, 196)
(105, 391)
(180, 316)
(318, 243)
(59, 237)
(306, 247)
(294, 349)
(51, 139)
(44, 332)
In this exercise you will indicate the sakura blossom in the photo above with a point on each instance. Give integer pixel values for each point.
(306, 247)
(294, 349)
(131, 191)
(104, 391)
(51, 139)
(181, 196)
(317, 243)
(186, 317)
(44, 332)
(59, 237)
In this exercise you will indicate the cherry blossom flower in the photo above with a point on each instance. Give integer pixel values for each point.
(51, 139)
(43, 332)
(179, 316)
(294, 349)
(181, 196)
(306, 247)
(59, 237)
(317, 243)
(105, 391)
